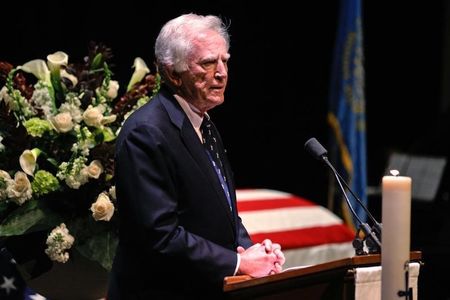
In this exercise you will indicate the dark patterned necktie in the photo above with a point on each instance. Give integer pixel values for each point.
(211, 144)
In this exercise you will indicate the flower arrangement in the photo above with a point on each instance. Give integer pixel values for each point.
(58, 124)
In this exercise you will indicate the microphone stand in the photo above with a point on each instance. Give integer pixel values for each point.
(372, 245)
(369, 236)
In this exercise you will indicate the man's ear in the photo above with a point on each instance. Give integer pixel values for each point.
(173, 77)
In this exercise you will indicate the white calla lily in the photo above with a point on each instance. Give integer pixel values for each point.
(56, 60)
(69, 76)
(140, 70)
(28, 160)
(38, 68)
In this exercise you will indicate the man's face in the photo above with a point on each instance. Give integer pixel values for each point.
(203, 84)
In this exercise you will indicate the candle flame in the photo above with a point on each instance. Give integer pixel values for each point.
(394, 172)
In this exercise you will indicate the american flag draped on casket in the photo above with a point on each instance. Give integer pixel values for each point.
(308, 233)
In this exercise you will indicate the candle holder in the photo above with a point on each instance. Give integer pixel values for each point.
(408, 292)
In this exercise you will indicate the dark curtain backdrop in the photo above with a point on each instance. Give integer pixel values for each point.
(279, 73)
(278, 88)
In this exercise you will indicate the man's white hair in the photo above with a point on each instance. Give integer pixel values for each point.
(174, 42)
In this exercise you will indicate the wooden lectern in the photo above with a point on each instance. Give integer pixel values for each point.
(331, 280)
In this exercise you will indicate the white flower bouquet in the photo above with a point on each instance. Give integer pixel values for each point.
(58, 124)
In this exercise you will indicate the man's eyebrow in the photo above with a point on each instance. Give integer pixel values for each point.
(208, 58)
(213, 58)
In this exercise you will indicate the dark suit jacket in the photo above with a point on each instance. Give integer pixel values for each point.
(178, 236)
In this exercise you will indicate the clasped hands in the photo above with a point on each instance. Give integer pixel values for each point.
(261, 259)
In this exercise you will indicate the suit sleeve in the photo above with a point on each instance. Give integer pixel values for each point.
(146, 190)
(244, 239)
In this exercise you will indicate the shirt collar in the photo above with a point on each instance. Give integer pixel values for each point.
(192, 113)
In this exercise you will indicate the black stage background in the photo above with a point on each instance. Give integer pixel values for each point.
(278, 88)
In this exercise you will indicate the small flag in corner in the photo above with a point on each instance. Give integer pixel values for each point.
(12, 285)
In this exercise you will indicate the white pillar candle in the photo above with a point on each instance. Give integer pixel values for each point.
(395, 244)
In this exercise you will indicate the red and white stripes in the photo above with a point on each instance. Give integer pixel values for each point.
(307, 232)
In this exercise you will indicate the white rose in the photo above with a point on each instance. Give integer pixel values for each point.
(62, 122)
(102, 209)
(19, 190)
(94, 169)
(93, 116)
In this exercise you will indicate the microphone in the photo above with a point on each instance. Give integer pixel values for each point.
(316, 150)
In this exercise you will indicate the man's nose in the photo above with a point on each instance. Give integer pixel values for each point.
(221, 70)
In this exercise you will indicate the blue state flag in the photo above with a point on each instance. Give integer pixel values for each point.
(346, 115)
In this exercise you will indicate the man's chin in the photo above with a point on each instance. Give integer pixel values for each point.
(216, 100)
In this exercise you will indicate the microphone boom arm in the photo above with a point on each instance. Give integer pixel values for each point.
(368, 232)
(372, 236)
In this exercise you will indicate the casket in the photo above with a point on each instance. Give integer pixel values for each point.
(308, 233)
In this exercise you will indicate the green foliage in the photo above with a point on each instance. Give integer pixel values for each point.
(28, 218)
(70, 113)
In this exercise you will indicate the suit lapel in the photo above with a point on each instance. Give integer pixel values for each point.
(197, 151)
(194, 146)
